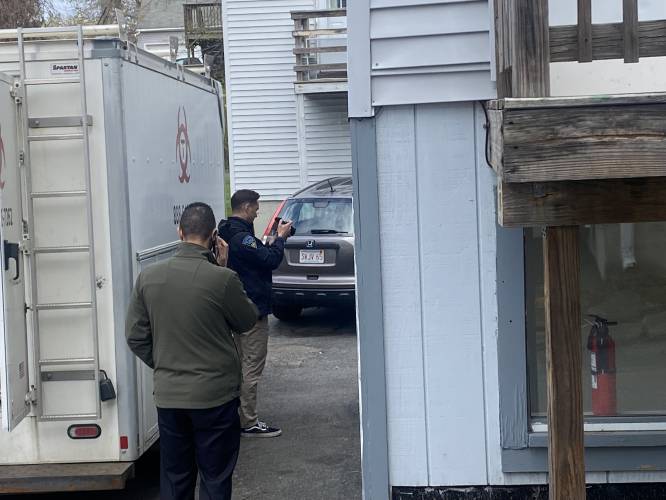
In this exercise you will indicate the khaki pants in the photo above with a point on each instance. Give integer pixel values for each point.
(252, 347)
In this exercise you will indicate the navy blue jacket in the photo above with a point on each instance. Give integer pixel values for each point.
(252, 260)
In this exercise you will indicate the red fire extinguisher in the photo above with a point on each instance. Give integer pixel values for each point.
(602, 365)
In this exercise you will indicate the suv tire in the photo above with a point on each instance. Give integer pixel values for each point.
(287, 313)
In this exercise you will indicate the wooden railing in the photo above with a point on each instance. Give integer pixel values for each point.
(203, 21)
(316, 47)
(630, 40)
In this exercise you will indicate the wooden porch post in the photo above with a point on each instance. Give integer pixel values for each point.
(523, 59)
(566, 460)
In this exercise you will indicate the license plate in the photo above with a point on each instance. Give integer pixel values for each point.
(311, 257)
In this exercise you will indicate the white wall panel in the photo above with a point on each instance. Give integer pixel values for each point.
(434, 304)
(449, 269)
(401, 291)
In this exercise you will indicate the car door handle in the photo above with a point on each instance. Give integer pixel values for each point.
(12, 252)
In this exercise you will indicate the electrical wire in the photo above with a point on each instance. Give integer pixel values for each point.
(487, 128)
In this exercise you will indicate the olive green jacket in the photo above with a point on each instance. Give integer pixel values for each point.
(180, 321)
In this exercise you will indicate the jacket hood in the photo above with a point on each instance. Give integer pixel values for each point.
(228, 228)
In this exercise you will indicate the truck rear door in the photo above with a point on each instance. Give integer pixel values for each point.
(14, 385)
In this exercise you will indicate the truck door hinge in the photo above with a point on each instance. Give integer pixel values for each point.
(22, 158)
(31, 396)
(17, 92)
(24, 246)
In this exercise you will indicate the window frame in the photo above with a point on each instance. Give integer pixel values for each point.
(640, 447)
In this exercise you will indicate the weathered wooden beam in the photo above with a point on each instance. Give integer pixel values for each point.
(319, 32)
(608, 41)
(584, 30)
(530, 59)
(563, 363)
(315, 14)
(320, 67)
(572, 142)
(503, 47)
(511, 103)
(320, 50)
(630, 22)
(581, 202)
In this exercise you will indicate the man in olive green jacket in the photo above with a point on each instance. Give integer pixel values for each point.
(180, 322)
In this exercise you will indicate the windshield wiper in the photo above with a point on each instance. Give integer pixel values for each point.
(327, 231)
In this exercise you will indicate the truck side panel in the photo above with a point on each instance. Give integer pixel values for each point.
(175, 156)
(55, 166)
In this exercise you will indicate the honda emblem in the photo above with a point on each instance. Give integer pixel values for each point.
(310, 244)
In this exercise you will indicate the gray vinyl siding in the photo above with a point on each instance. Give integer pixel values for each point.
(327, 139)
(420, 51)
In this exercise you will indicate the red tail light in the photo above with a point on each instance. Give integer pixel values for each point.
(86, 431)
(270, 221)
(124, 442)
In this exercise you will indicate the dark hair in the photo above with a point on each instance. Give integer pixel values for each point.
(243, 196)
(198, 220)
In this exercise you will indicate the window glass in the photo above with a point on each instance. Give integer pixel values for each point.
(319, 216)
(623, 281)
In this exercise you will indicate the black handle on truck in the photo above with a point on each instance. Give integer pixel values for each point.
(12, 252)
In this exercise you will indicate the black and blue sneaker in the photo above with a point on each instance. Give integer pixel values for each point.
(261, 430)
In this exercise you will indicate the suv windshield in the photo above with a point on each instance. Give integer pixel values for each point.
(321, 216)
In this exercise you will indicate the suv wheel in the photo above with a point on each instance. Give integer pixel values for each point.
(286, 313)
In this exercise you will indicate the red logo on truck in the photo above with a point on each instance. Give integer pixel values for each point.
(2, 159)
(183, 151)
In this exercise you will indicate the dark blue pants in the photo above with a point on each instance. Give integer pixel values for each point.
(208, 439)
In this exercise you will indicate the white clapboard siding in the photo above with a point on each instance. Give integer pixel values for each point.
(434, 303)
(420, 51)
(271, 148)
(327, 137)
(261, 104)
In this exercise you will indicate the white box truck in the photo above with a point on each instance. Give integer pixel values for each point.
(101, 147)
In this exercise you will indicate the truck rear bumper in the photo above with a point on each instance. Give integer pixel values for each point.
(49, 478)
(313, 297)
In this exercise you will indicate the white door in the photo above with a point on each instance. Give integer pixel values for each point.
(14, 384)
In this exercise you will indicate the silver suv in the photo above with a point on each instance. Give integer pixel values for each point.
(318, 264)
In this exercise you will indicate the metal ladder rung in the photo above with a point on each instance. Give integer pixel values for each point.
(63, 306)
(66, 361)
(59, 194)
(72, 249)
(54, 137)
(51, 81)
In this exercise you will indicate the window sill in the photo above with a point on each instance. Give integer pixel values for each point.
(643, 438)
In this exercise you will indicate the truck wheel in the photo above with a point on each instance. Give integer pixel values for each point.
(287, 313)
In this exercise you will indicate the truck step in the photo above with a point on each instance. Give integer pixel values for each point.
(49, 478)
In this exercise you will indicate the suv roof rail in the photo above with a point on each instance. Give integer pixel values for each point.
(331, 182)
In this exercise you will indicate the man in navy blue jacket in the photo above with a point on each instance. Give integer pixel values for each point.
(254, 262)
